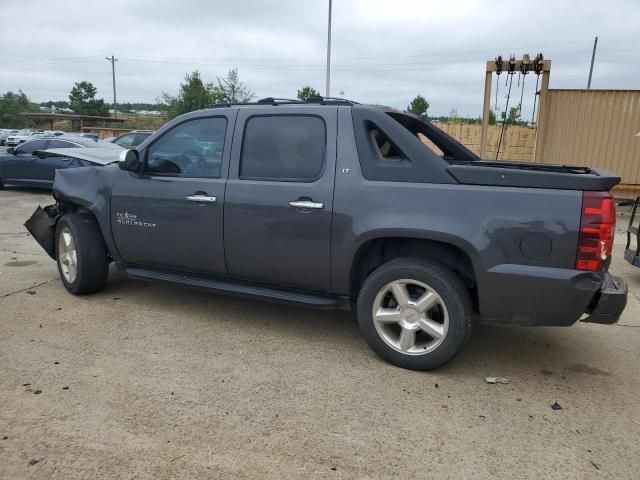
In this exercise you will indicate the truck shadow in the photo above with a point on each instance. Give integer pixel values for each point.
(551, 353)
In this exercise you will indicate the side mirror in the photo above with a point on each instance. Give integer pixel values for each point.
(129, 160)
(11, 150)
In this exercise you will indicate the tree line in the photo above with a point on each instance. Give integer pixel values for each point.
(194, 93)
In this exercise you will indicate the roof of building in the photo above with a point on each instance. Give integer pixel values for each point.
(71, 116)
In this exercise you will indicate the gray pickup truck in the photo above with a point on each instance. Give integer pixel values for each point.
(332, 204)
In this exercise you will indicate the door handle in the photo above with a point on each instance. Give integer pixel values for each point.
(201, 198)
(307, 204)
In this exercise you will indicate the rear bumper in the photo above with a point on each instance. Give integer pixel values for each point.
(543, 296)
(610, 301)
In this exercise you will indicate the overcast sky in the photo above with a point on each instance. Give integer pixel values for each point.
(383, 51)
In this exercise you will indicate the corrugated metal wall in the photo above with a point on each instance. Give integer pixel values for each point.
(595, 128)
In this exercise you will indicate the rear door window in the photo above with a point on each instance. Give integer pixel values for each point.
(283, 148)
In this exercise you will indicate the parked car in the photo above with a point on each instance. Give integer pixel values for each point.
(131, 139)
(93, 136)
(52, 133)
(340, 205)
(6, 133)
(30, 164)
(22, 136)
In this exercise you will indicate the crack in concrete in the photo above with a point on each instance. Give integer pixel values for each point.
(6, 295)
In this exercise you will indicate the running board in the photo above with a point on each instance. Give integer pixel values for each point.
(239, 289)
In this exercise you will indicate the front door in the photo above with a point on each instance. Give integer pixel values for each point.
(170, 215)
(22, 169)
(279, 196)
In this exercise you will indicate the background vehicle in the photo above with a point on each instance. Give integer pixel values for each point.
(30, 164)
(52, 133)
(4, 134)
(131, 139)
(21, 137)
(333, 204)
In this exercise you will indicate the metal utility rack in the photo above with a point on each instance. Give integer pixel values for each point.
(630, 255)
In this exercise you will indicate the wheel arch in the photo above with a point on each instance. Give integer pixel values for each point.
(69, 206)
(377, 250)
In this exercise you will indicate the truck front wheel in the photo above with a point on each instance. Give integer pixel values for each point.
(81, 254)
(414, 313)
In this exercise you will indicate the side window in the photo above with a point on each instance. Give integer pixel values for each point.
(384, 146)
(193, 149)
(61, 144)
(125, 140)
(139, 138)
(30, 147)
(283, 147)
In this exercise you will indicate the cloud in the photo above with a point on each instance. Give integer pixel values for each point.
(383, 51)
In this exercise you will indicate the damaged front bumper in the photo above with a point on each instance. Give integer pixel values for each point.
(42, 227)
(610, 301)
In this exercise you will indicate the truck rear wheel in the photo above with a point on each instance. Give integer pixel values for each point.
(414, 313)
(81, 254)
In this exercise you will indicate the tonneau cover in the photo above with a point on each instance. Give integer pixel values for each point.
(533, 175)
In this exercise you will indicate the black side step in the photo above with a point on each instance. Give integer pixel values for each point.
(241, 289)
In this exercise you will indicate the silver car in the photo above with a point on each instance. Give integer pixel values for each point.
(4, 133)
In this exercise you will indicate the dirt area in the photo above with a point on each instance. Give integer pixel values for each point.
(151, 381)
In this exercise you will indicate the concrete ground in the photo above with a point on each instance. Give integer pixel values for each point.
(151, 381)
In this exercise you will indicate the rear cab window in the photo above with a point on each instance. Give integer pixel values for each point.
(398, 147)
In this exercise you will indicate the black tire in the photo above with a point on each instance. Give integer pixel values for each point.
(92, 260)
(440, 279)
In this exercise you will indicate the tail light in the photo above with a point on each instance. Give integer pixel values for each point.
(597, 227)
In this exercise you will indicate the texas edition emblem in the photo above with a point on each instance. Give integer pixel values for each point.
(127, 218)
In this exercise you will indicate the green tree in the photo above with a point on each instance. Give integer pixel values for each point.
(230, 89)
(11, 106)
(307, 92)
(492, 117)
(193, 95)
(419, 107)
(514, 117)
(83, 101)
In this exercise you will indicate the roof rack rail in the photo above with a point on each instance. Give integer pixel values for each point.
(278, 101)
(273, 101)
(331, 101)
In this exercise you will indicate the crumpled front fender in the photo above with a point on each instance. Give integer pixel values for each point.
(42, 227)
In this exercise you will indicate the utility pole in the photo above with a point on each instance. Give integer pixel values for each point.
(328, 81)
(593, 57)
(113, 61)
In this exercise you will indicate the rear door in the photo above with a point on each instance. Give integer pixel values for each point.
(170, 215)
(279, 196)
(45, 167)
